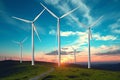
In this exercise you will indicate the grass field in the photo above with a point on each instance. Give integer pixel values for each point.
(13, 70)
(75, 73)
(10, 70)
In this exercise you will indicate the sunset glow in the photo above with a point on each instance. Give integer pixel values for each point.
(73, 32)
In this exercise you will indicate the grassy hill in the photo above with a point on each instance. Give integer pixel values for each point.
(13, 70)
(75, 73)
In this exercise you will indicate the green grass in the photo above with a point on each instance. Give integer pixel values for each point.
(24, 71)
(75, 73)
(12, 70)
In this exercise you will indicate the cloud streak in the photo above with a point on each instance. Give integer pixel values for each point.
(64, 51)
(85, 9)
(104, 38)
(115, 27)
(113, 53)
(56, 53)
(65, 7)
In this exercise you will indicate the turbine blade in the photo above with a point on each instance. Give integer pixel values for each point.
(97, 21)
(36, 32)
(49, 11)
(38, 15)
(27, 21)
(15, 42)
(24, 39)
(69, 12)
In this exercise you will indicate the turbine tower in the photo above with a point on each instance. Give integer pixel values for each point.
(58, 29)
(21, 46)
(33, 29)
(74, 51)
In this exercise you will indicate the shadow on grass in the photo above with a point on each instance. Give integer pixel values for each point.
(72, 76)
(49, 77)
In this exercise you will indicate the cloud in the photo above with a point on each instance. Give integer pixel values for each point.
(56, 53)
(66, 51)
(115, 27)
(70, 50)
(82, 37)
(64, 48)
(104, 48)
(52, 2)
(5, 16)
(100, 50)
(104, 38)
(85, 9)
(95, 36)
(116, 31)
(70, 33)
(83, 40)
(67, 33)
(52, 32)
(113, 53)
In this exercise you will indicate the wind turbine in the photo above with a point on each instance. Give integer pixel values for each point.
(21, 46)
(90, 36)
(58, 29)
(33, 29)
(74, 51)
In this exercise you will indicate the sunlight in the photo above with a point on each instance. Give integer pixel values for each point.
(66, 59)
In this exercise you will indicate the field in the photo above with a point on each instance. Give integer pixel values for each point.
(13, 70)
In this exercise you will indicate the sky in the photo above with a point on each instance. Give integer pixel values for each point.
(105, 34)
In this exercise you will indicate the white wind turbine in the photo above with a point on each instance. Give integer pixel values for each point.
(33, 29)
(21, 46)
(74, 51)
(58, 29)
(90, 36)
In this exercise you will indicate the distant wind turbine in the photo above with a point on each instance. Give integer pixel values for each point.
(90, 36)
(33, 29)
(58, 29)
(21, 46)
(74, 51)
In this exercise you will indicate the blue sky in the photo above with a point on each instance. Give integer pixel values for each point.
(105, 33)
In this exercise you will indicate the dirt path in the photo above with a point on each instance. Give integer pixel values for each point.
(42, 75)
